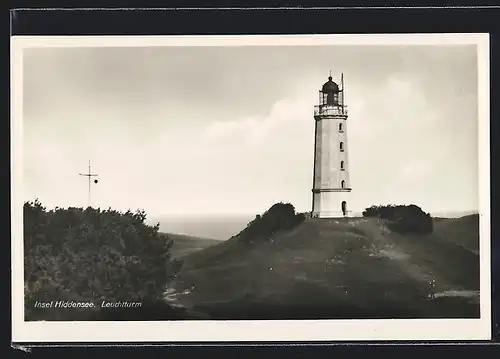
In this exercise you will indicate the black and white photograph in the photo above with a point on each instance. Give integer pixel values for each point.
(315, 187)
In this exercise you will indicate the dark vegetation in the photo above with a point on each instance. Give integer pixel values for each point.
(280, 217)
(403, 218)
(281, 266)
(77, 254)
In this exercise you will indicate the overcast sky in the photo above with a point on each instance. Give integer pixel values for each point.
(216, 130)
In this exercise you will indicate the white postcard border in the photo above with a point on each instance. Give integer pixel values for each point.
(273, 330)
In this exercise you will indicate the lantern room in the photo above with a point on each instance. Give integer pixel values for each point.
(331, 94)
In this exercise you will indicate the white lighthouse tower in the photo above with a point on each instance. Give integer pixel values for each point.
(331, 189)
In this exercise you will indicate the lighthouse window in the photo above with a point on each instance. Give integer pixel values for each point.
(342, 168)
(341, 128)
(342, 184)
(341, 146)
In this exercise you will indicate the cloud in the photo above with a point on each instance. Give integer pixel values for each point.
(415, 171)
(286, 121)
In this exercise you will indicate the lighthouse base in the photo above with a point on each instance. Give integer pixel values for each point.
(331, 214)
(331, 203)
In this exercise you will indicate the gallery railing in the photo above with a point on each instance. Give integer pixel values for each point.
(329, 110)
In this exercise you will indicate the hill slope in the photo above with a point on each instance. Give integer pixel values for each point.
(325, 268)
(184, 245)
(463, 231)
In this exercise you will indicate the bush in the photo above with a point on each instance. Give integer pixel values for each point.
(77, 254)
(281, 216)
(403, 218)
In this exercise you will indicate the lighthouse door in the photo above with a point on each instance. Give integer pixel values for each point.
(344, 208)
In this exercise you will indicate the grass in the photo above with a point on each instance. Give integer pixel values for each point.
(462, 231)
(325, 268)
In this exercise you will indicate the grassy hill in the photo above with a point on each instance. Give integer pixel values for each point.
(462, 231)
(183, 244)
(343, 268)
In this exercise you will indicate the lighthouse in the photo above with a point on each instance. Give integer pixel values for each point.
(331, 186)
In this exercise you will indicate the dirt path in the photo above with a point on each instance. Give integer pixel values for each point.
(473, 295)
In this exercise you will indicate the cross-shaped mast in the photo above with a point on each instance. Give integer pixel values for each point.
(89, 175)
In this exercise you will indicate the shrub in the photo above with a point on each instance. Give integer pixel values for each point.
(281, 216)
(92, 255)
(403, 218)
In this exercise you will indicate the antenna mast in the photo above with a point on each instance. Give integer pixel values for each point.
(342, 84)
(89, 175)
